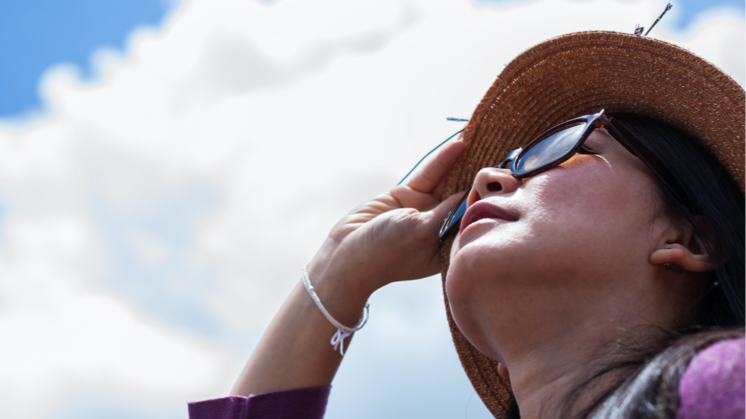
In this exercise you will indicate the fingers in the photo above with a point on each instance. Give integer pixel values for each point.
(424, 190)
(430, 176)
(436, 218)
(408, 198)
(419, 193)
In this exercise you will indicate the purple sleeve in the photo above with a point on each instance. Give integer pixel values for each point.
(713, 384)
(306, 403)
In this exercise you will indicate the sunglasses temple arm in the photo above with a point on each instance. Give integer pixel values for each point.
(635, 146)
(505, 164)
(453, 219)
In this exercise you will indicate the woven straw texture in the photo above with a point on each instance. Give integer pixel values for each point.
(579, 74)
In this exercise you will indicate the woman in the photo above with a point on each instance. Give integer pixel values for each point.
(597, 273)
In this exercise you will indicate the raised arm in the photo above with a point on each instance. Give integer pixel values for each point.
(393, 237)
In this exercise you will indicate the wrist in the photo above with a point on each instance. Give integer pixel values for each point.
(331, 269)
(337, 298)
(343, 331)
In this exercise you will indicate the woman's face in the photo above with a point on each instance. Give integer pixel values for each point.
(544, 252)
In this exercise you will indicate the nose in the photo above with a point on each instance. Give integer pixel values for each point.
(490, 181)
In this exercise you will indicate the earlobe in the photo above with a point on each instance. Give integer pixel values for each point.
(680, 255)
(502, 371)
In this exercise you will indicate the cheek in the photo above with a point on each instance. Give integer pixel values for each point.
(575, 229)
(602, 216)
(596, 191)
(471, 299)
(483, 272)
(571, 224)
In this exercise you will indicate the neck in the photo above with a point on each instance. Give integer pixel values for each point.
(548, 365)
(554, 339)
(545, 378)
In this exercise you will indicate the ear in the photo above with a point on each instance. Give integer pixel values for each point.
(685, 251)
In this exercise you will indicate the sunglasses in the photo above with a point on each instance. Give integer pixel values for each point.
(559, 143)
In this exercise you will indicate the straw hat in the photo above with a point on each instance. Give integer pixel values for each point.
(578, 74)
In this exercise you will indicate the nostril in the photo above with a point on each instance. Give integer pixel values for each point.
(494, 187)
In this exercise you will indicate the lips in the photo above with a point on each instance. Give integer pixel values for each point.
(484, 210)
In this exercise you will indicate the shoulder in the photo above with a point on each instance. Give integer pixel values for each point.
(714, 383)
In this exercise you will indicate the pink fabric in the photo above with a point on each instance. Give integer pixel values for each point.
(306, 403)
(714, 383)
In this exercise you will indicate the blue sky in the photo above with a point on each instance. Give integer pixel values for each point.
(36, 34)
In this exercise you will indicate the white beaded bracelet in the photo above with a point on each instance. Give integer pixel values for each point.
(342, 330)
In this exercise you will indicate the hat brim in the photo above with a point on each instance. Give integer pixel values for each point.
(578, 74)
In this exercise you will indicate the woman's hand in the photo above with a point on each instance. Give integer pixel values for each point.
(393, 237)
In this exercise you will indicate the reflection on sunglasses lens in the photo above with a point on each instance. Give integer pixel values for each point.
(548, 150)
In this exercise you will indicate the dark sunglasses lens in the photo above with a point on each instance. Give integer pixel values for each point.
(555, 146)
(454, 218)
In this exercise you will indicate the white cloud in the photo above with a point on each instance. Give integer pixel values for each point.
(155, 218)
(64, 336)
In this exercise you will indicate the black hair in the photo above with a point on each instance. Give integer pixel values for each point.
(715, 213)
(713, 207)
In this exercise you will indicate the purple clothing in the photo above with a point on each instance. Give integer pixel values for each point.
(305, 403)
(713, 386)
(714, 383)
